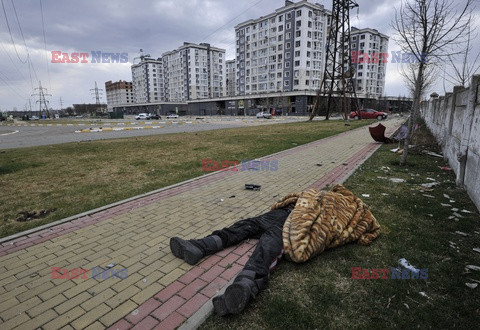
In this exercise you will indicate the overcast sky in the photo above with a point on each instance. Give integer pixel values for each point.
(128, 26)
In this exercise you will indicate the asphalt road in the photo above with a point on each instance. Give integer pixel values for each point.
(19, 136)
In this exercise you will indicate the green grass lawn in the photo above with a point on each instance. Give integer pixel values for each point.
(76, 177)
(321, 293)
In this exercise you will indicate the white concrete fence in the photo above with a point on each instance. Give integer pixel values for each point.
(454, 120)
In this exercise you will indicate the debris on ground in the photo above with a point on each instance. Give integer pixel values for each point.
(405, 264)
(366, 195)
(27, 216)
(472, 267)
(445, 168)
(252, 186)
(431, 153)
(471, 285)
(476, 250)
(465, 211)
(454, 246)
(110, 265)
(319, 164)
(446, 205)
(429, 185)
(397, 180)
(423, 294)
(429, 196)
(461, 233)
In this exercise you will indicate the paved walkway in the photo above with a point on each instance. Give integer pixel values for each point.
(160, 290)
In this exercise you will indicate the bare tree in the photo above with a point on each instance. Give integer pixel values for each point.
(429, 30)
(465, 69)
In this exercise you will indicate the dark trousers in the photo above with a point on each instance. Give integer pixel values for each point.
(268, 229)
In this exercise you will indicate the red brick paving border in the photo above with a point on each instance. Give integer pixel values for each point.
(174, 304)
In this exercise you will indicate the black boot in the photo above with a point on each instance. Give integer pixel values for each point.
(237, 295)
(195, 249)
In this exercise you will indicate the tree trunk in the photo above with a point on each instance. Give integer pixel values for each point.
(415, 106)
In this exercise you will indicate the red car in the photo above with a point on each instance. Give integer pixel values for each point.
(368, 114)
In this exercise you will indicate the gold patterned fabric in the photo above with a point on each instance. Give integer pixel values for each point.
(323, 220)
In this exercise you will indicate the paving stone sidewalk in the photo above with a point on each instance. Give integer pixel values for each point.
(160, 290)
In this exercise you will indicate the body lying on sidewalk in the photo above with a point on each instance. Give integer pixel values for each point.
(300, 225)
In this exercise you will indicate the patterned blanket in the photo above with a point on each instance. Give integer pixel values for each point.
(324, 220)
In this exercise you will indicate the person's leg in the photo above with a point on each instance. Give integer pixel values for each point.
(193, 250)
(254, 276)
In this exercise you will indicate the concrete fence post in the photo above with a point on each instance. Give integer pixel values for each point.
(466, 130)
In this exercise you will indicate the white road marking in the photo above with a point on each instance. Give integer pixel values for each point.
(8, 133)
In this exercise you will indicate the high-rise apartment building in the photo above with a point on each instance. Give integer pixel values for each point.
(282, 51)
(118, 93)
(370, 54)
(147, 79)
(194, 72)
(230, 77)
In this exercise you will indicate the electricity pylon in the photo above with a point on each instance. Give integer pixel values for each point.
(339, 73)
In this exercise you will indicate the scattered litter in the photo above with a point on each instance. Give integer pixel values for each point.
(394, 150)
(431, 153)
(472, 267)
(423, 294)
(471, 285)
(454, 246)
(144, 280)
(233, 196)
(461, 233)
(366, 195)
(457, 215)
(405, 264)
(429, 185)
(445, 204)
(319, 164)
(430, 215)
(384, 194)
(476, 250)
(454, 209)
(452, 201)
(465, 211)
(429, 196)
(406, 305)
(471, 279)
(345, 164)
(445, 168)
(446, 196)
(135, 312)
(110, 265)
(397, 180)
(26, 215)
(252, 186)
(431, 179)
(221, 199)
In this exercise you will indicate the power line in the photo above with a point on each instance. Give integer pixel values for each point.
(11, 36)
(24, 42)
(13, 89)
(45, 44)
